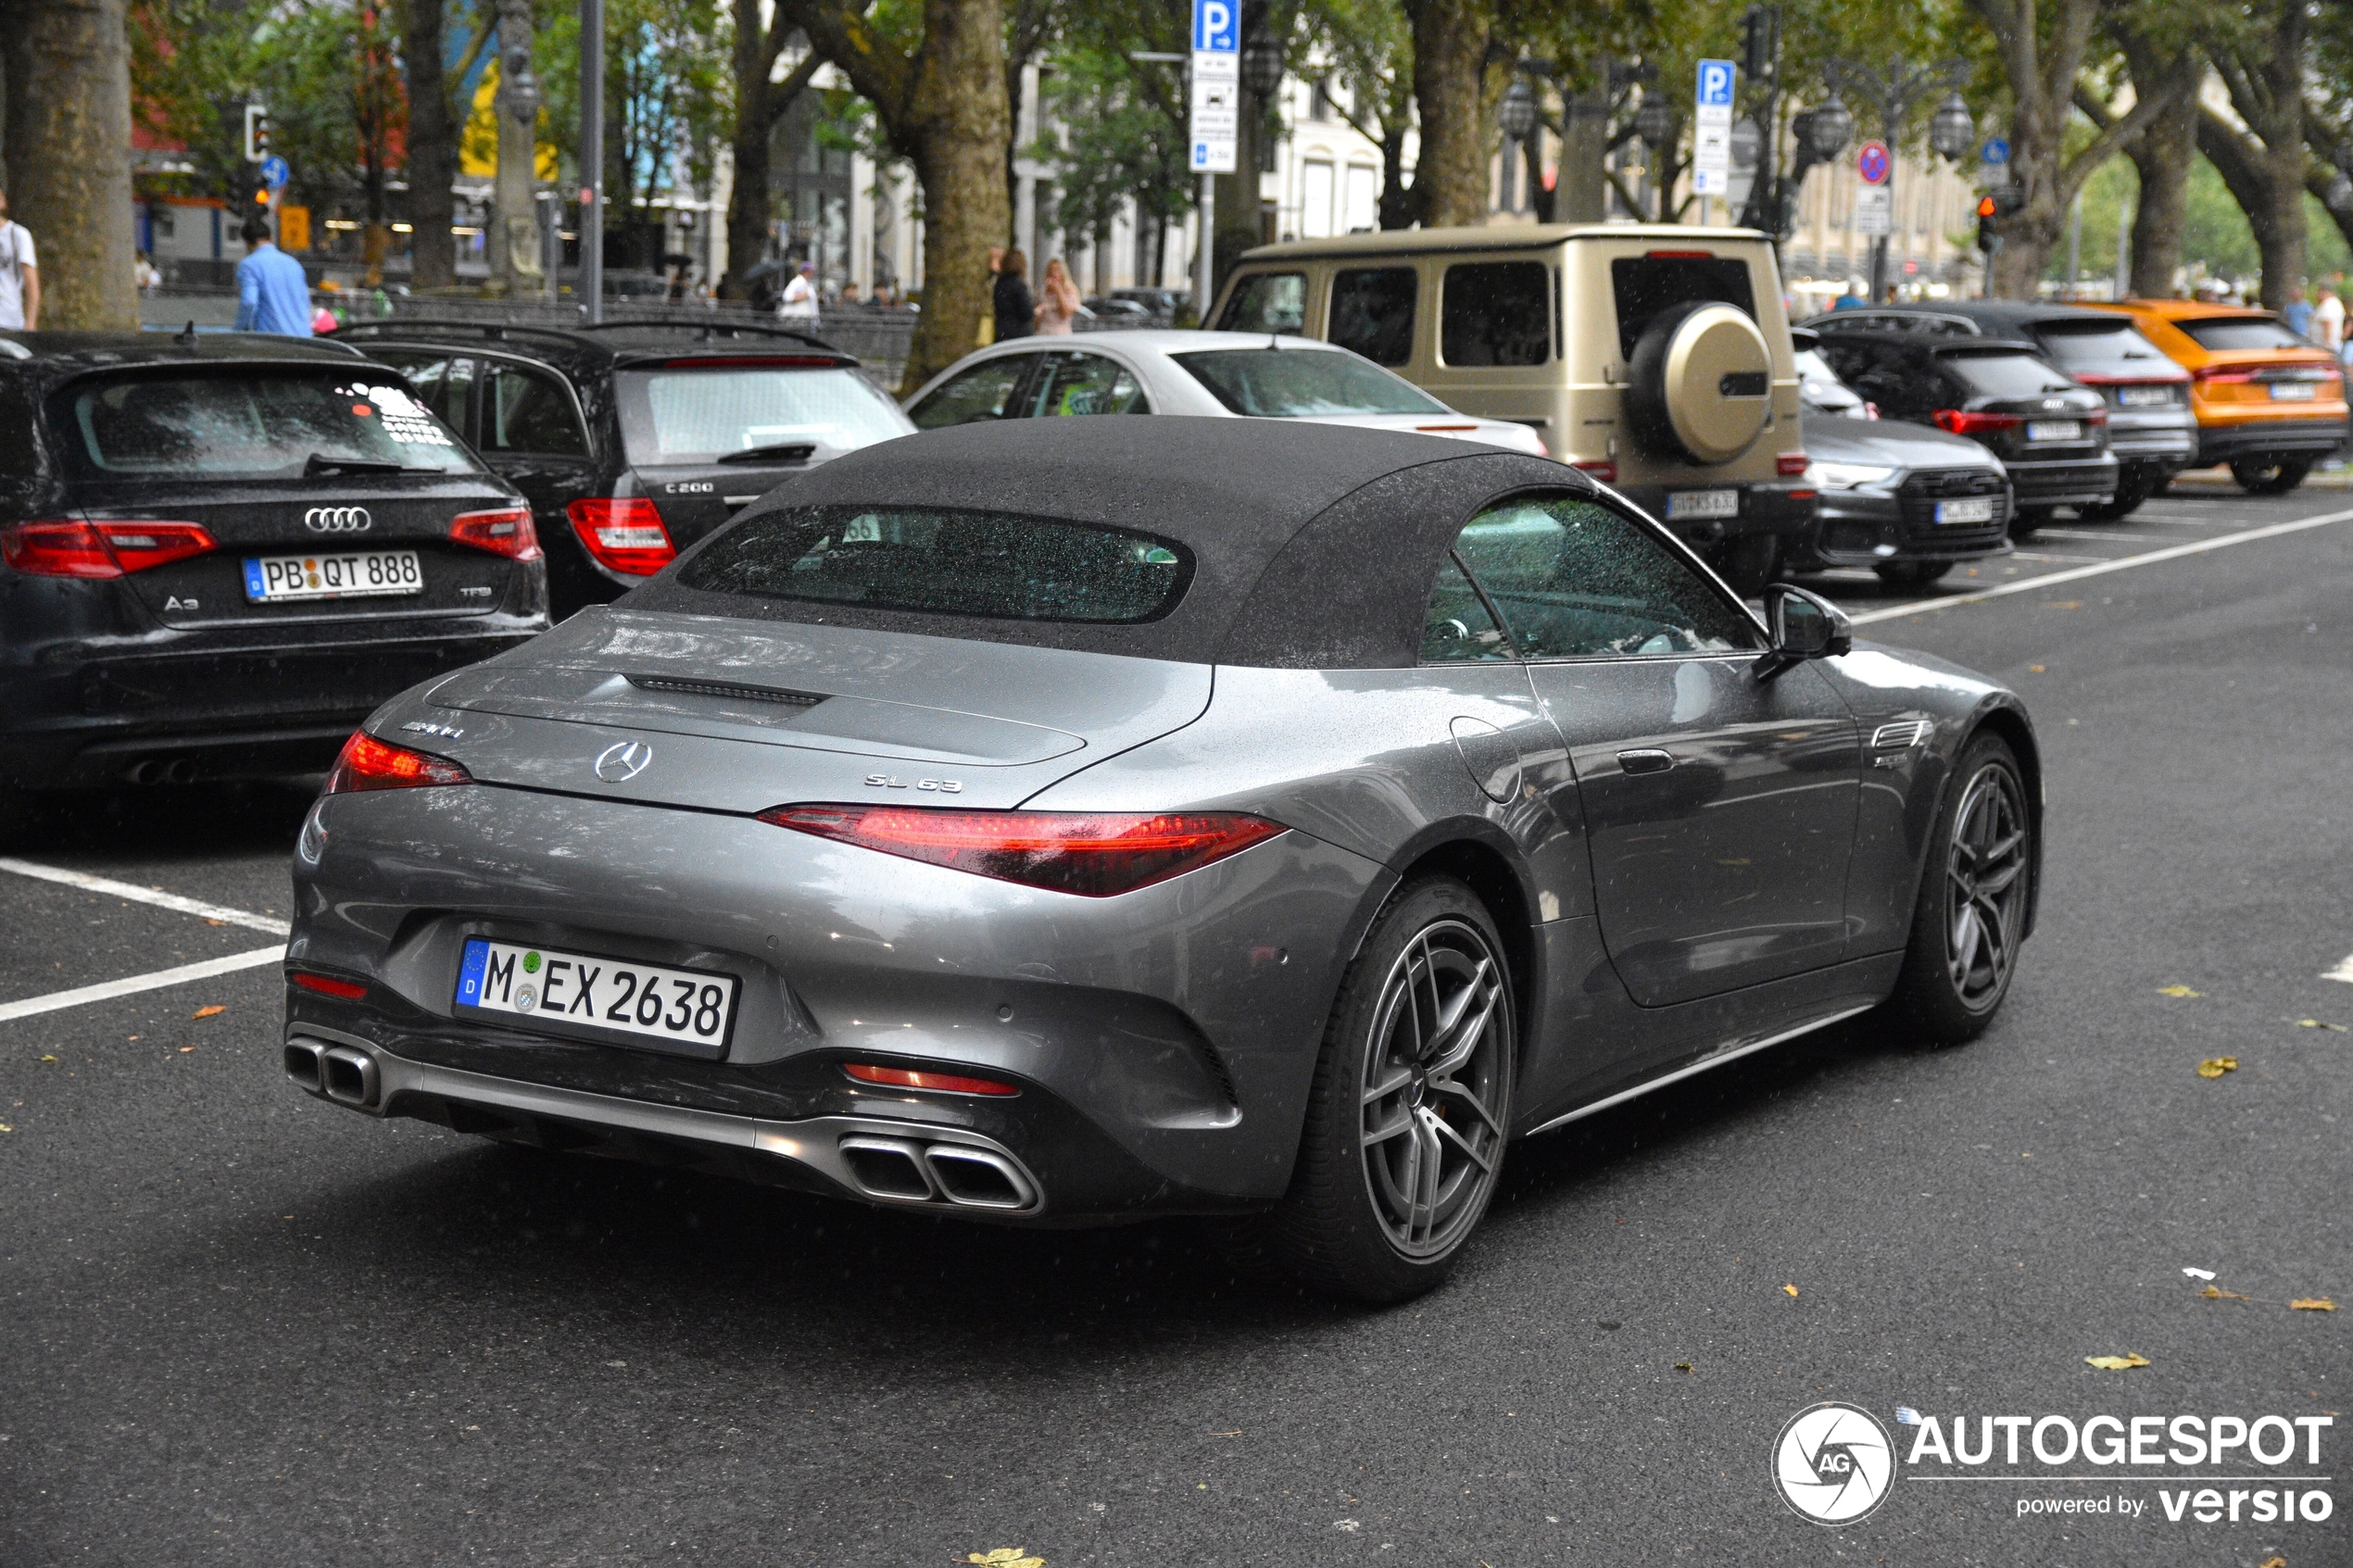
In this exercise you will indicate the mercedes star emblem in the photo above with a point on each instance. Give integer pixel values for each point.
(618, 764)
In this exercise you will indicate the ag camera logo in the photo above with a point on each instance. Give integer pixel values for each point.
(1834, 1463)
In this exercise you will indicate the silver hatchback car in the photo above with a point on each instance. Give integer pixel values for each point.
(1091, 819)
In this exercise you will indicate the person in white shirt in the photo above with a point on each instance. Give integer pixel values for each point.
(2328, 320)
(19, 275)
(800, 303)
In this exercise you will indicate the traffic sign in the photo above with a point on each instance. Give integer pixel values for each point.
(1217, 27)
(1216, 86)
(275, 172)
(1873, 163)
(1712, 129)
(1996, 150)
(1874, 210)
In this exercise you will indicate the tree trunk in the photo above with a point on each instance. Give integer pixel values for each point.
(68, 142)
(2266, 170)
(1450, 39)
(432, 148)
(2317, 179)
(760, 104)
(2162, 155)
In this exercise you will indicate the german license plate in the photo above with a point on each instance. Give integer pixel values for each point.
(2143, 396)
(1974, 509)
(1702, 503)
(2055, 429)
(562, 992)
(275, 579)
(2295, 391)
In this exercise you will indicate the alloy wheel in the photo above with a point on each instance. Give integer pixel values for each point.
(1985, 888)
(1437, 1077)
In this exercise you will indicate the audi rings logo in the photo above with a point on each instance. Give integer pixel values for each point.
(1834, 1463)
(618, 764)
(337, 519)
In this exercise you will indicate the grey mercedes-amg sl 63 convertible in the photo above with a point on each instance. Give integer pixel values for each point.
(1083, 819)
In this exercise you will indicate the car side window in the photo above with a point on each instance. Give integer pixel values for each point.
(442, 381)
(1574, 579)
(1086, 384)
(527, 410)
(1456, 628)
(985, 392)
(1496, 313)
(1900, 383)
(1373, 312)
(1266, 302)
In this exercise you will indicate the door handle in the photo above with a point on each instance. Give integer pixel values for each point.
(1646, 759)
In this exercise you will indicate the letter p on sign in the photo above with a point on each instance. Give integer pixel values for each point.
(1215, 27)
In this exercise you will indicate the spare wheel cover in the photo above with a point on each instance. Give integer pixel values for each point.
(1719, 382)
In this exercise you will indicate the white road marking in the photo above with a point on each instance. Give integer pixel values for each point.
(131, 985)
(2022, 555)
(146, 896)
(2343, 972)
(2150, 558)
(2096, 538)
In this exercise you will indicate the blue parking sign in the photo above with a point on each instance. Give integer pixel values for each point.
(1217, 26)
(1715, 83)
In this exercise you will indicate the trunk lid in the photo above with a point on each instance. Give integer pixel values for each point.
(739, 716)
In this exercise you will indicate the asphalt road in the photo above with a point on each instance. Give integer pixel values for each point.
(242, 1327)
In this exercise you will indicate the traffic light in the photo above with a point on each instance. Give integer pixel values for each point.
(1758, 27)
(257, 133)
(1993, 208)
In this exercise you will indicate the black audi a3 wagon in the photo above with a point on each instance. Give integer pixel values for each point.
(219, 553)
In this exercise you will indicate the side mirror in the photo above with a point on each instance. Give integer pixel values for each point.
(1804, 626)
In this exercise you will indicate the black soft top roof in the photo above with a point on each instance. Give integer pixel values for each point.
(56, 356)
(1314, 546)
(606, 345)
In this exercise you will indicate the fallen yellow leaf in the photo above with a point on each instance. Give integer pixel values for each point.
(1791, 1288)
(2272, 1562)
(2215, 1066)
(48, 1059)
(2178, 991)
(2313, 1304)
(186, 1050)
(2065, 604)
(1006, 1557)
(2116, 1363)
(1683, 1366)
(2215, 1293)
(213, 1012)
(2316, 1023)
(2034, 669)
(6, 1128)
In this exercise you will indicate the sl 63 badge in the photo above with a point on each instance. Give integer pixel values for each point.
(945, 787)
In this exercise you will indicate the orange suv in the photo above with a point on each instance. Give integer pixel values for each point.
(2268, 402)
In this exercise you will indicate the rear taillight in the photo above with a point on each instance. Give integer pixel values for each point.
(506, 531)
(1790, 465)
(107, 548)
(1094, 854)
(369, 763)
(2095, 417)
(1603, 469)
(906, 1078)
(328, 985)
(1961, 421)
(625, 535)
(2210, 374)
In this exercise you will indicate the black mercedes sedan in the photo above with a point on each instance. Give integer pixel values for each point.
(2050, 433)
(219, 553)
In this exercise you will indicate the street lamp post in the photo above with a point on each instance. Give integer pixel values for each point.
(592, 158)
(1516, 116)
(1951, 133)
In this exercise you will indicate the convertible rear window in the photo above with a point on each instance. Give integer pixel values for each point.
(989, 565)
(2222, 334)
(1302, 383)
(255, 422)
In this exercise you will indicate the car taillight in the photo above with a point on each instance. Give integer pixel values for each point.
(369, 763)
(1788, 465)
(625, 536)
(328, 985)
(2095, 417)
(1961, 421)
(905, 1078)
(1093, 853)
(506, 531)
(2211, 374)
(110, 547)
(1603, 469)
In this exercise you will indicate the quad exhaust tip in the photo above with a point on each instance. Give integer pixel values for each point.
(335, 1072)
(903, 1171)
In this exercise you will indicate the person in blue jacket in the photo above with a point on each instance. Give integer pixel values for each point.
(272, 293)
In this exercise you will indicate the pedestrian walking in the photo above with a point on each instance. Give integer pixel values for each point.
(2298, 314)
(800, 303)
(272, 293)
(20, 276)
(2328, 320)
(1057, 300)
(1015, 308)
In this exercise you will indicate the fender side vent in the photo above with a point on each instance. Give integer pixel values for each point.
(728, 689)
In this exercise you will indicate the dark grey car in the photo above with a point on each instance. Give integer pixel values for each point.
(1082, 819)
(1908, 501)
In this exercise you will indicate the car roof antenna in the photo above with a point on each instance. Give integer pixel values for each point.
(187, 336)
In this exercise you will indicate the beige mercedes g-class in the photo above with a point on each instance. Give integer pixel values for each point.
(1653, 356)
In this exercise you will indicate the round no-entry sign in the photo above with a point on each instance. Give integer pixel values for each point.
(1871, 161)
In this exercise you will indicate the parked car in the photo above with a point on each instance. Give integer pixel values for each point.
(1080, 821)
(1908, 501)
(2050, 433)
(1113, 312)
(219, 552)
(2150, 427)
(633, 441)
(1211, 374)
(2268, 403)
(1655, 358)
(1819, 389)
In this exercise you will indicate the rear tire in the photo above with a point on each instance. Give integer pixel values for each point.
(1911, 573)
(2124, 504)
(2027, 521)
(1405, 1132)
(1747, 565)
(2276, 477)
(1975, 890)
